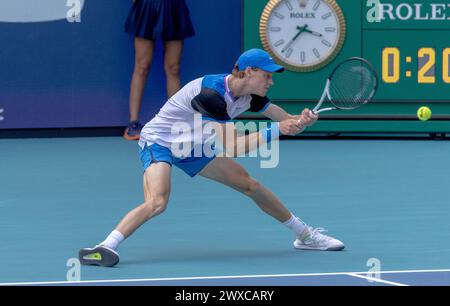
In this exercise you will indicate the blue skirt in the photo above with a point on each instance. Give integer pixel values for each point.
(159, 19)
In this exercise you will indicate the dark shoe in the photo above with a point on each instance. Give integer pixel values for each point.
(99, 256)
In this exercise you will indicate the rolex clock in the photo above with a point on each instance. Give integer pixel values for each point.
(302, 35)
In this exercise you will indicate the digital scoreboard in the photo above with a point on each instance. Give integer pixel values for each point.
(407, 41)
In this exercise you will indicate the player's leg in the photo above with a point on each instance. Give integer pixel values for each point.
(173, 50)
(230, 173)
(143, 60)
(145, 189)
(156, 193)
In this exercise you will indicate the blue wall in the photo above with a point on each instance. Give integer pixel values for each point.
(60, 74)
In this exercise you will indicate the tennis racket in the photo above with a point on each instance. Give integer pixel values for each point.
(350, 85)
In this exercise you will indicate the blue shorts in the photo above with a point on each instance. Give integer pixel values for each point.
(157, 153)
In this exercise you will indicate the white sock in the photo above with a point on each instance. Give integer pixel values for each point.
(113, 240)
(296, 225)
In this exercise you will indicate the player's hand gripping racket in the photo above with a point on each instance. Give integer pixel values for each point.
(351, 84)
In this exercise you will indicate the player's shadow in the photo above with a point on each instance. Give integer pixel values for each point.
(207, 255)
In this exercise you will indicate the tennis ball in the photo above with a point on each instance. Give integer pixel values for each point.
(424, 113)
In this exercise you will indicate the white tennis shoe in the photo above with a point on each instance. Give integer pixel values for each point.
(315, 240)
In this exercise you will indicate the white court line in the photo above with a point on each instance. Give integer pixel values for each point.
(378, 280)
(218, 277)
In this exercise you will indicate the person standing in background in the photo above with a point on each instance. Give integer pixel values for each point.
(148, 21)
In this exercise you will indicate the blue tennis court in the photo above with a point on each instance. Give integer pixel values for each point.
(387, 200)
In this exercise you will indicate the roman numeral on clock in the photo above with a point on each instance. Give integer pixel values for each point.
(316, 53)
(289, 5)
(278, 15)
(326, 16)
(316, 5)
(326, 43)
(303, 56)
(289, 52)
(279, 43)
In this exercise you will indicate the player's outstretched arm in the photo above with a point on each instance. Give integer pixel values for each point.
(235, 145)
(277, 114)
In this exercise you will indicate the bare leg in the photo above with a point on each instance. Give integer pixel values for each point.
(156, 192)
(172, 59)
(230, 173)
(143, 61)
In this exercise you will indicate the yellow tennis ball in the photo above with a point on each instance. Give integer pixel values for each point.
(424, 113)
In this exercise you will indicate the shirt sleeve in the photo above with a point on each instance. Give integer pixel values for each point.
(258, 103)
(211, 105)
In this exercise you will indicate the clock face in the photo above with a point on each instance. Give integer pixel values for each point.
(302, 35)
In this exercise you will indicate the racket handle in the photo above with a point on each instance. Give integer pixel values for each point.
(313, 111)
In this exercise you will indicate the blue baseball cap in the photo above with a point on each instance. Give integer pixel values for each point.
(257, 58)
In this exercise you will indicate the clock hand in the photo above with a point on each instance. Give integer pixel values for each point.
(311, 32)
(314, 33)
(301, 30)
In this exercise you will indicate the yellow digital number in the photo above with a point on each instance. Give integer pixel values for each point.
(445, 67)
(427, 61)
(391, 65)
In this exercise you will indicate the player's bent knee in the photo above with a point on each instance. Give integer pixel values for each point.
(155, 205)
(160, 203)
(246, 184)
(252, 187)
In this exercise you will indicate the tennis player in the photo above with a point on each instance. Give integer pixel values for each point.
(218, 99)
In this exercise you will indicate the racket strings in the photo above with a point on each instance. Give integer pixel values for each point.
(352, 84)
